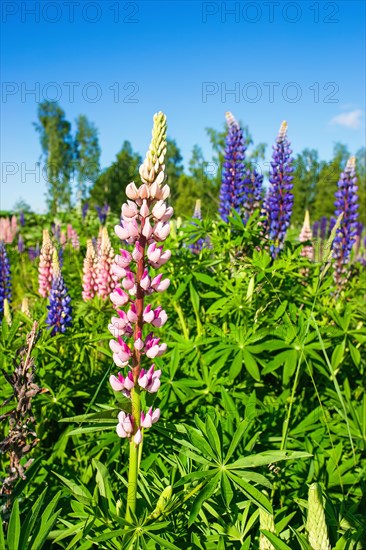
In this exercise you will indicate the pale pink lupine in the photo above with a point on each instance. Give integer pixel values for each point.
(89, 273)
(8, 229)
(73, 237)
(105, 278)
(45, 265)
(306, 235)
(144, 226)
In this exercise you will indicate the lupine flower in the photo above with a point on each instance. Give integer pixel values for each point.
(25, 307)
(231, 192)
(84, 210)
(323, 228)
(306, 235)
(252, 193)
(332, 223)
(33, 252)
(280, 197)
(197, 246)
(105, 278)
(316, 525)
(56, 231)
(22, 218)
(316, 226)
(45, 265)
(5, 278)
(102, 212)
(59, 310)
(358, 236)
(90, 286)
(144, 225)
(346, 203)
(73, 237)
(21, 246)
(8, 229)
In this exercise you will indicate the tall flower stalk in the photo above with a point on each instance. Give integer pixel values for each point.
(105, 279)
(197, 246)
(144, 225)
(280, 198)
(5, 278)
(231, 192)
(346, 203)
(90, 286)
(59, 310)
(306, 235)
(252, 193)
(45, 265)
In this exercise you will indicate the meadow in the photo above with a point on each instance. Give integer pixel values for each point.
(210, 397)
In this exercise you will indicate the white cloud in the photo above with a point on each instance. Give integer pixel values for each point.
(348, 120)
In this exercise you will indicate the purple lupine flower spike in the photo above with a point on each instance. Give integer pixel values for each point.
(233, 169)
(5, 278)
(197, 246)
(84, 210)
(59, 310)
(316, 226)
(280, 197)
(323, 228)
(252, 193)
(22, 218)
(347, 203)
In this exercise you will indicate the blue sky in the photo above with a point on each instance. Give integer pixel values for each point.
(119, 62)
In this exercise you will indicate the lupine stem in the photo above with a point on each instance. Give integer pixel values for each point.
(134, 457)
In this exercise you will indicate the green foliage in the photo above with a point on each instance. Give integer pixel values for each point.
(262, 395)
(58, 150)
(111, 184)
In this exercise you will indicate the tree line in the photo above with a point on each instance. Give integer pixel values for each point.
(75, 175)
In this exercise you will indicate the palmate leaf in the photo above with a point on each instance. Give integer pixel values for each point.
(203, 495)
(265, 458)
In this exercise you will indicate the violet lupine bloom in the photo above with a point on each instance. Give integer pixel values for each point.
(59, 310)
(105, 278)
(332, 223)
(252, 193)
(144, 226)
(316, 226)
(231, 192)
(33, 252)
(197, 246)
(45, 265)
(90, 286)
(84, 210)
(5, 278)
(346, 203)
(102, 212)
(306, 235)
(323, 227)
(280, 197)
(22, 218)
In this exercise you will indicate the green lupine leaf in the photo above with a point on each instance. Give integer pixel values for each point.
(13, 536)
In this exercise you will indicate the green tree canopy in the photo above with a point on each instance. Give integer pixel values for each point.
(111, 184)
(58, 150)
(87, 155)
